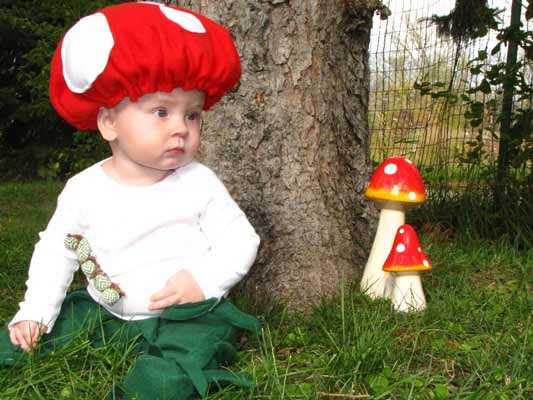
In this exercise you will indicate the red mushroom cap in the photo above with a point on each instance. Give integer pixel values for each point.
(132, 49)
(406, 254)
(397, 180)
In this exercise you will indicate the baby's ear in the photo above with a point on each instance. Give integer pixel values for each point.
(106, 124)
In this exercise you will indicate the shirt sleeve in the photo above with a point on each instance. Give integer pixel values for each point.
(233, 244)
(52, 265)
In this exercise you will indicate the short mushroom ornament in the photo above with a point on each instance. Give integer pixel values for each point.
(395, 186)
(405, 261)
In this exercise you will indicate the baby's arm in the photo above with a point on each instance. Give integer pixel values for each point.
(26, 334)
(51, 270)
(233, 247)
(232, 240)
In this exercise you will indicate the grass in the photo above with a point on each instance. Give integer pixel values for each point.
(472, 342)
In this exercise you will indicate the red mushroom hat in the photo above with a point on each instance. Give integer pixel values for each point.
(397, 179)
(131, 49)
(406, 254)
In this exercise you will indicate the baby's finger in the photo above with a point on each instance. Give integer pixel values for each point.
(27, 334)
(165, 302)
(163, 293)
(23, 343)
(35, 334)
(13, 336)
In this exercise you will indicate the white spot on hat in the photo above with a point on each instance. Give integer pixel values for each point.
(409, 161)
(412, 195)
(395, 190)
(391, 169)
(184, 19)
(419, 249)
(400, 248)
(85, 51)
(426, 263)
(402, 231)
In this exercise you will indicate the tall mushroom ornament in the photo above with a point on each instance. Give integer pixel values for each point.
(405, 261)
(395, 186)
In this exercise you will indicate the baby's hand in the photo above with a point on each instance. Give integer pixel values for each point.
(180, 288)
(26, 334)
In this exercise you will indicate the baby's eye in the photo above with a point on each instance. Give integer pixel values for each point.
(193, 116)
(161, 113)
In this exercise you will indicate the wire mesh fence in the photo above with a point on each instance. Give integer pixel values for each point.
(432, 132)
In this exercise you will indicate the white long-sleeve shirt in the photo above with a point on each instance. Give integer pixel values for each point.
(140, 236)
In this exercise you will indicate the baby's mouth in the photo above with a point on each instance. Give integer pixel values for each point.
(176, 150)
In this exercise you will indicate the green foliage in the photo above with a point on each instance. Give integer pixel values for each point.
(469, 19)
(473, 211)
(491, 84)
(492, 79)
(87, 148)
(32, 136)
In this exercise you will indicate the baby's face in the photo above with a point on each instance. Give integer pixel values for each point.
(159, 131)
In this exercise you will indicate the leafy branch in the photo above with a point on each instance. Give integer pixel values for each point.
(494, 81)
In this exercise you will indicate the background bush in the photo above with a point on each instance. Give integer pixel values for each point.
(34, 141)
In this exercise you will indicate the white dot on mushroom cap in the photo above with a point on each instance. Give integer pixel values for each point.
(400, 248)
(409, 161)
(426, 263)
(184, 19)
(85, 51)
(419, 250)
(395, 190)
(412, 195)
(391, 169)
(402, 230)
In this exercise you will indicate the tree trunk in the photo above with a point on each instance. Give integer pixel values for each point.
(292, 141)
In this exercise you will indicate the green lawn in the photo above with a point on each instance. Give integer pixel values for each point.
(472, 342)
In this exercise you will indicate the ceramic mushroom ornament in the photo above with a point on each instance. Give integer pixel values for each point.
(405, 261)
(395, 186)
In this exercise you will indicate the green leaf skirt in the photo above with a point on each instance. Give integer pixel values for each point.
(180, 353)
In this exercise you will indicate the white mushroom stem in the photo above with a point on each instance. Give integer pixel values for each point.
(407, 293)
(375, 282)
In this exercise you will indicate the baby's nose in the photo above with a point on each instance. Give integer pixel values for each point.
(179, 128)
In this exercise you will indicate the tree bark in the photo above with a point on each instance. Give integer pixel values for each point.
(291, 142)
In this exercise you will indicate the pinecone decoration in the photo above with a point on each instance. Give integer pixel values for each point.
(71, 242)
(83, 250)
(102, 282)
(110, 296)
(88, 267)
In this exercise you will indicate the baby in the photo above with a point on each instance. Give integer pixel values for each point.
(150, 227)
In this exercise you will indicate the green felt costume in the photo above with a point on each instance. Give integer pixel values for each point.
(180, 353)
